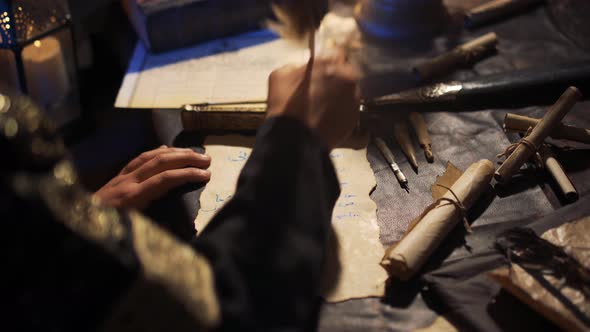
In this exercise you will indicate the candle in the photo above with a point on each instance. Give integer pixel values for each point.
(45, 71)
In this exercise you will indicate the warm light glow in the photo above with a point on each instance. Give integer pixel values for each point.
(7, 26)
(37, 43)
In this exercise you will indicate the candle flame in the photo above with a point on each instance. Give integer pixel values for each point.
(37, 43)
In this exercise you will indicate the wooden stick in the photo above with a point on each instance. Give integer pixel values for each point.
(419, 124)
(403, 138)
(552, 118)
(551, 164)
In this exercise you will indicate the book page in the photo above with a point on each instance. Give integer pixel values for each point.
(224, 70)
(353, 269)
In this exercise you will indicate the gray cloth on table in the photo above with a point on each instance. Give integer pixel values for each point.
(462, 138)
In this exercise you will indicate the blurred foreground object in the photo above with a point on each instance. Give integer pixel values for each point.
(107, 268)
(27, 137)
(400, 19)
(298, 18)
(37, 55)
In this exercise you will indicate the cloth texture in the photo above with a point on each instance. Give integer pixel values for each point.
(268, 243)
(526, 40)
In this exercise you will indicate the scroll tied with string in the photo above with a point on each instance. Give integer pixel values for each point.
(454, 194)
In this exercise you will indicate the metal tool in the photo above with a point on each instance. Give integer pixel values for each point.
(401, 178)
(512, 89)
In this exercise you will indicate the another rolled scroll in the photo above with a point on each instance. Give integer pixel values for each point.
(461, 55)
(522, 124)
(522, 151)
(550, 163)
(406, 257)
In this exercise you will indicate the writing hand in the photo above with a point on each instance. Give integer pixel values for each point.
(323, 95)
(152, 174)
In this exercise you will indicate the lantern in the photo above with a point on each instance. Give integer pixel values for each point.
(37, 55)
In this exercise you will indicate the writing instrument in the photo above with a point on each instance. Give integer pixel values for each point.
(512, 89)
(403, 138)
(419, 124)
(388, 155)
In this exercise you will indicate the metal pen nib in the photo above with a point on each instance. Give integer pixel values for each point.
(401, 178)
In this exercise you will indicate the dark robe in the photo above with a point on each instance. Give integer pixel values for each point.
(70, 264)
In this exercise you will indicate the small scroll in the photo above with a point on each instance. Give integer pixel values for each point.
(462, 55)
(521, 123)
(519, 153)
(405, 258)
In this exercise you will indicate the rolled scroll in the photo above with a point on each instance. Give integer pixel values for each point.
(520, 152)
(461, 55)
(406, 257)
(522, 124)
(551, 165)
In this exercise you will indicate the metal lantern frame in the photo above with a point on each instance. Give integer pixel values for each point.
(17, 46)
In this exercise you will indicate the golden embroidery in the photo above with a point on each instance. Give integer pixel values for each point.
(165, 262)
(75, 208)
(175, 265)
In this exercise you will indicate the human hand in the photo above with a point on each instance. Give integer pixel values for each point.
(152, 174)
(323, 95)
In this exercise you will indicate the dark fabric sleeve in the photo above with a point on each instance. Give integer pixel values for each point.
(267, 245)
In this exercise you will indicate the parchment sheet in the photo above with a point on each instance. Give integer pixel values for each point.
(354, 220)
(574, 238)
(223, 70)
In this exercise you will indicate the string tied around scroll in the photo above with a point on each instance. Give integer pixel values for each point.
(457, 203)
(510, 149)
